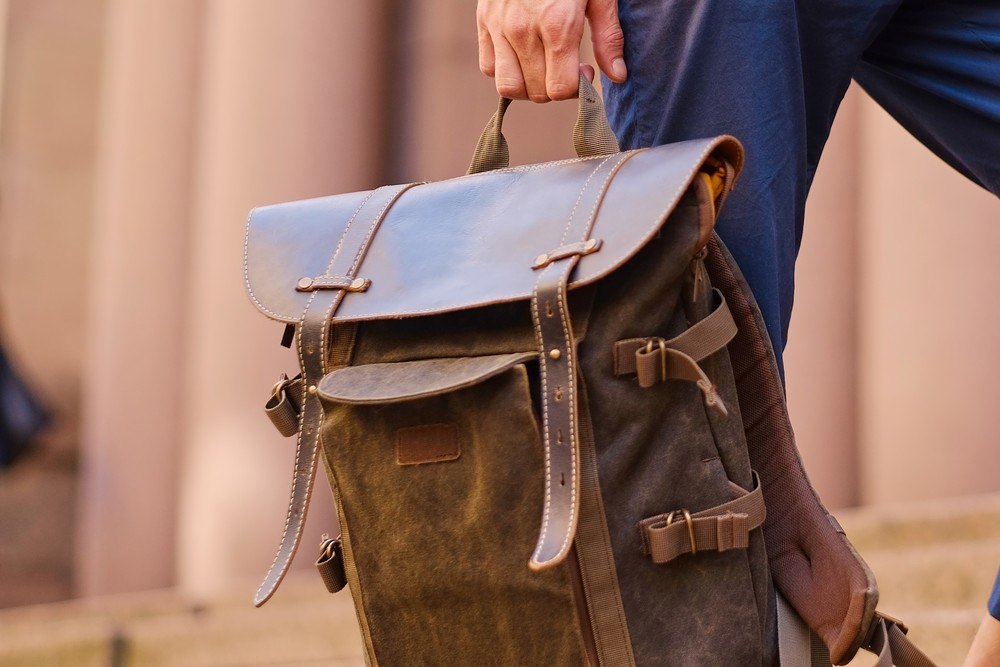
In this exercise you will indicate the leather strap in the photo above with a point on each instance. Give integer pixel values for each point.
(313, 336)
(282, 408)
(702, 339)
(727, 526)
(557, 361)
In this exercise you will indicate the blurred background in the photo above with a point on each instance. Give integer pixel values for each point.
(135, 135)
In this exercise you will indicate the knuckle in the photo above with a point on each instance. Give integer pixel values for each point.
(512, 88)
(560, 90)
(486, 68)
(613, 36)
(517, 29)
(538, 97)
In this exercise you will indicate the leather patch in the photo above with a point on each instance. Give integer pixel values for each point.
(427, 444)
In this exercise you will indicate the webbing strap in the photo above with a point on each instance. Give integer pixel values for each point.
(798, 646)
(705, 337)
(596, 557)
(313, 352)
(726, 526)
(592, 136)
(889, 642)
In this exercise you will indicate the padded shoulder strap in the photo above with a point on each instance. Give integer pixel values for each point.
(813, 565)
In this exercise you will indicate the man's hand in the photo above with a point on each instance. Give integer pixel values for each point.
(532, 47)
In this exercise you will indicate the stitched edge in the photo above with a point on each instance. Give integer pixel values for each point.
(543, 366)
(273, 578)
(578, 282)
(570, 361)
(520, 169)
(582, 280)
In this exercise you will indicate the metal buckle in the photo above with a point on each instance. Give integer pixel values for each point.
(663, 355)
(690, 526)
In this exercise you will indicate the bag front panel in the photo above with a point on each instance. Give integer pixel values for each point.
(442, 498)
(657, 452)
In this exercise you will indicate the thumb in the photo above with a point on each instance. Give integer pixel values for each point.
(609, 40)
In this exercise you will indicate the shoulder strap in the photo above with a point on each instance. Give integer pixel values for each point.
(328, 290)
(814, 566)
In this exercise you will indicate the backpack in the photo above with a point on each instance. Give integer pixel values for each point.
(552, 419)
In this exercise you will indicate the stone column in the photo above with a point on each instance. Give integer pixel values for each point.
(820, 360)
(133, 383)
(930, 322)
(290, 108)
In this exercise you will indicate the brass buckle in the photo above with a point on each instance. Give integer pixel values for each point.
(279, 387)
(663, 355)
(690, 526)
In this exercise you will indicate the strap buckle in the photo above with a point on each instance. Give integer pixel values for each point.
(663, 354)
(690, 526)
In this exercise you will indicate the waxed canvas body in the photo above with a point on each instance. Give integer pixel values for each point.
(438, 530)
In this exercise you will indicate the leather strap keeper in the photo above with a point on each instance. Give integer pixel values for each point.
(282, 408)
(330, 564)
(727, 526)
(698, 342)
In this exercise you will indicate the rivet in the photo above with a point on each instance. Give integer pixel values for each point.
(554, 353)
(541, 259)
(304, 284)
(312, 389)
(358, 284)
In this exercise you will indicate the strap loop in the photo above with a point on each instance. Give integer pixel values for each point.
(720, 528)
(283, 406)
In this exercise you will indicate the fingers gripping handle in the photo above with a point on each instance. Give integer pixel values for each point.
(592, 136)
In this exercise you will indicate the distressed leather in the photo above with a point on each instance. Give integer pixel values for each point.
(469, 241)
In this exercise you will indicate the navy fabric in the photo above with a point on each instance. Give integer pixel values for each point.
(773, 72)
(994, 604)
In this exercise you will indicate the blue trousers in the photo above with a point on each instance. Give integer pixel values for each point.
(773, 72)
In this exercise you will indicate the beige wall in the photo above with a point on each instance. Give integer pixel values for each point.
(209, 107)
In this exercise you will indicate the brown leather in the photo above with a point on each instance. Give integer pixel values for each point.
(557, 358)
(330, 564)
(404, 381)
(727, 526)
(282, 408)
(427, 443)
(442, 249)
(313, 338)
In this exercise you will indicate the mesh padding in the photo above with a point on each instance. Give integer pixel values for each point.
(813, 565)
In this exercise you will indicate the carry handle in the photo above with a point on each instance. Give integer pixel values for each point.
(592, 136)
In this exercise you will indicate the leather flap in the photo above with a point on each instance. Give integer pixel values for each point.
(468, 241)
(406, 380)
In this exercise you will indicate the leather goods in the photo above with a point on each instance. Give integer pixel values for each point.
(551, 417)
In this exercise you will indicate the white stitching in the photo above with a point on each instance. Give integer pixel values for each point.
(300, 524)
(285, 318)
(543, 365)
(600, 272)
(298, 448)
(570, 360)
